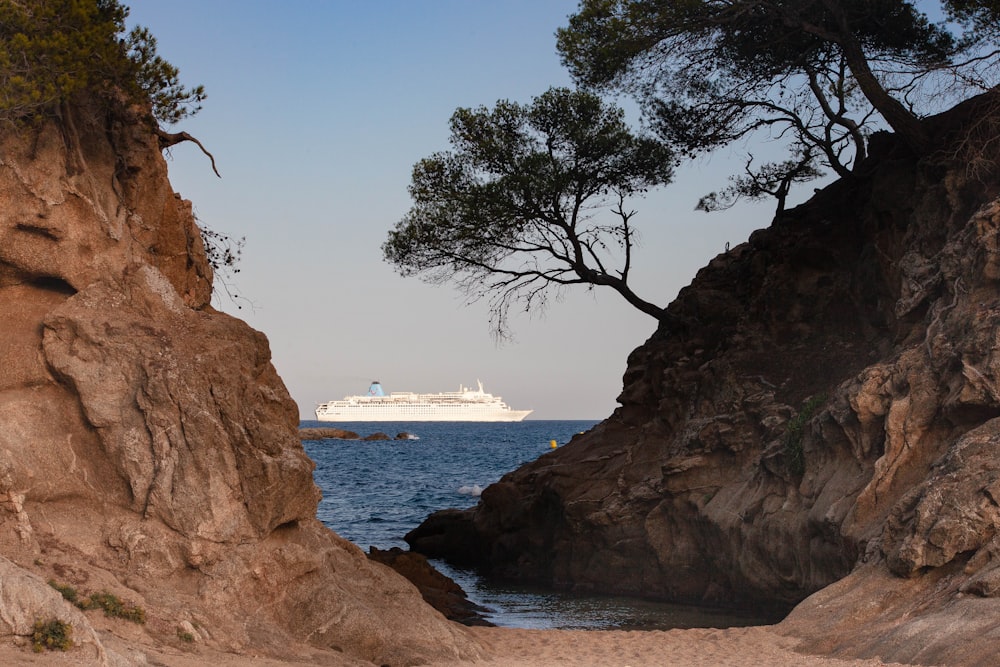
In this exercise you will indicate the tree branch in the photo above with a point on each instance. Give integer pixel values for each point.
(168, 139)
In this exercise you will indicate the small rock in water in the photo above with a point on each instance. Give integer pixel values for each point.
(326, 434)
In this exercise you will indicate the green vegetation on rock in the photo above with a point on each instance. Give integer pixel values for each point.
(51, 635)
(795, 432)
(112, 605)
(53, 50)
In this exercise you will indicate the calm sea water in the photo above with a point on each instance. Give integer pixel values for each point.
(374, 492)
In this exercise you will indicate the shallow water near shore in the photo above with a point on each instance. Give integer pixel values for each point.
(374, 492)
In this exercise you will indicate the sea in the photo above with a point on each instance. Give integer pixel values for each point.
(375, 491)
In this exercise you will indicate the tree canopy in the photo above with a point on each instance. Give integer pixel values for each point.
(982, 15)
(820, 74)
(531, 198)
(511, 211)
(52, 50)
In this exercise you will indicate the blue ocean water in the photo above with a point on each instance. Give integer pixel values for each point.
(374, 492)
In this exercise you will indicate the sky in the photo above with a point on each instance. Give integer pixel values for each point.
(316, 113)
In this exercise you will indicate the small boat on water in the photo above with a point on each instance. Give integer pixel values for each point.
(464, 405)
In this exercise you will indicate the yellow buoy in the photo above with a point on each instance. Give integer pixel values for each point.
(552, 444)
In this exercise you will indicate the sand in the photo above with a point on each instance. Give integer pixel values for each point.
(734, 647)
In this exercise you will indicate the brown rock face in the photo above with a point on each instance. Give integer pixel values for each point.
(830, 409)
(147, 446)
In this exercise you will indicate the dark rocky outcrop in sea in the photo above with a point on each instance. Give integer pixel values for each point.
(147, 446)
(328, 433)
(324, 433)
(824, 421)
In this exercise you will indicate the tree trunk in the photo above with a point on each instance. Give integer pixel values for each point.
(899, 118)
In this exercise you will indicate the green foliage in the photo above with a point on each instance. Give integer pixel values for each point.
(974, 10)
(68, 592)
(812, 73)
(52, 50)
(112, 605)
(155, 79)
(509, 211)
(794, 433)
(52, 635)
(769, 180)
(981, 18)
(185, 636)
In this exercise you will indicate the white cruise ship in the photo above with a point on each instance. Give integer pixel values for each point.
(464, 405)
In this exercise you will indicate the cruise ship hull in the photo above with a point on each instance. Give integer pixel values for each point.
(404, 416)
(465, 405)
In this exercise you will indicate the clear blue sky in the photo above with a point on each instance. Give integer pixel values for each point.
(316, 113)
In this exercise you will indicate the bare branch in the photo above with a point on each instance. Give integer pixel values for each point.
(168, 139)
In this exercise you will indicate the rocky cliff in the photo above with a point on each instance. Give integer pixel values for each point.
(147, 447)
(826, 420)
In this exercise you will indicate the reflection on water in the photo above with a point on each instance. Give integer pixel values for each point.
(520, 606)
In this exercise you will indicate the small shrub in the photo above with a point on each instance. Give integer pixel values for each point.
(185, 636)
(110, 603)
(53, 635)
(114, 607)
(68, 592)
(794, 453)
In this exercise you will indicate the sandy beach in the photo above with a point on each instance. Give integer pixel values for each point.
(508, 647)
(734, 647)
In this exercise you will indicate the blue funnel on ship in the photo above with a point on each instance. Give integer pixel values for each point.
(375, 389)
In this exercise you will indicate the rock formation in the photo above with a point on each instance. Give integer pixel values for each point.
(147, 446)
(827, 421)
(321, 433)
(438, 590)
(326, 433)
